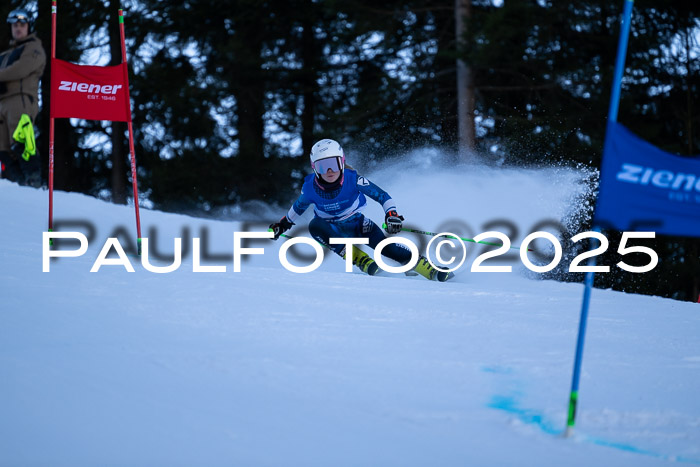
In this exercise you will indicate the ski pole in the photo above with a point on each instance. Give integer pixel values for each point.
(432, 234)
(292, 237)
(281, 235)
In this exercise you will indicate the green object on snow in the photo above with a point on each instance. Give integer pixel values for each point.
(24, 134)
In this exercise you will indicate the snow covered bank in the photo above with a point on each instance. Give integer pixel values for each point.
(268, 367)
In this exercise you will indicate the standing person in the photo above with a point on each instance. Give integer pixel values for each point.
(338, 194)
(21, 68)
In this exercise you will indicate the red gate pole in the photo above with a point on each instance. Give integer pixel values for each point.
(131, 131)
(51, 119)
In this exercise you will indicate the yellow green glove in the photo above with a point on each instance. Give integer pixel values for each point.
(24, 134)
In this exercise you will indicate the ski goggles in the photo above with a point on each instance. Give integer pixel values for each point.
(331, 163)
(18, 18)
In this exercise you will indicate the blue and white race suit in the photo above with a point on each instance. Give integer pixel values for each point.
(338, 212)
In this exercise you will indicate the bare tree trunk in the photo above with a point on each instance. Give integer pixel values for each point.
(118, 164)
(248, 87)
(689, 93)
(693, 259)
(310, 85)
(465, 86)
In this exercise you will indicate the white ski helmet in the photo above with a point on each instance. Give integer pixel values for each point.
(327, 149)
(20, 15)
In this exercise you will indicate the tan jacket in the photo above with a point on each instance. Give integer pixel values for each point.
(21, 68)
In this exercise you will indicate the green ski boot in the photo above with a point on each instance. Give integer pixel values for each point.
(425, 269)
(363, 261)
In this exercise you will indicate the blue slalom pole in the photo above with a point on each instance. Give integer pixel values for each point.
(620, 61)
(573, 397)
(588, 282)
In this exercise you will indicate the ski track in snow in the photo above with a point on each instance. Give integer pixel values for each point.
(268, 367)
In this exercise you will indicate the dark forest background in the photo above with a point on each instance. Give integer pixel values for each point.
(229, 95)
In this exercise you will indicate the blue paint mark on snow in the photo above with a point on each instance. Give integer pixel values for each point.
(532, 417)
(636, 450)
(497, 369)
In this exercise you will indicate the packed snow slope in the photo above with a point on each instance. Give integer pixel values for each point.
(274, 368)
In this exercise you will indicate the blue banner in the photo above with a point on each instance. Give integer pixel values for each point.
(643, 188)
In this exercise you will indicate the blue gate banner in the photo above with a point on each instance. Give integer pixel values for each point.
(643, 188)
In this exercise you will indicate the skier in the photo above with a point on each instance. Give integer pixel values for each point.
(338, 194)
(21, 68)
